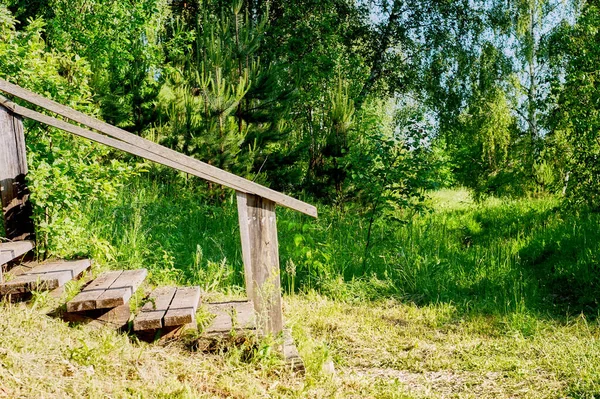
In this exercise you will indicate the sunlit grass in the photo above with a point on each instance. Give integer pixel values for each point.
(468, 300)
(380, 349)
(499, 256)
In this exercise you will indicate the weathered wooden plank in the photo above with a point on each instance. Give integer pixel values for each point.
(261, 250)
(14, 194)
(12, 250)
(85, 277)
(28, 283)
(201, 169)
(183, 307)
(73, 268)
(152, 313)
(234, 324)
(230, 316)
(86, 299)
(245, 236)
(122, 289)
(115, 318)
(45, 277)
(21, 268)
(290, 353)
(99, 138)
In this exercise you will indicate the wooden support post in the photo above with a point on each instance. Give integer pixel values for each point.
(260, 249)
(14, 193)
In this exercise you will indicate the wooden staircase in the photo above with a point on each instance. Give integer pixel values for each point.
(105, 301)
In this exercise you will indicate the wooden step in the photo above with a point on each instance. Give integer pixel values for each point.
(110, 290)
(45, 277)
(234, 324)
(168, 307)
(231, 316)
(13, 250)
(152, 313)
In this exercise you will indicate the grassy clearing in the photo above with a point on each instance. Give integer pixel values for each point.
(500, 257)
(383, 349)
(493, 300)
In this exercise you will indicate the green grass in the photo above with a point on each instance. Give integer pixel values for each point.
(500, 257)
(380, 349)
(490, 300)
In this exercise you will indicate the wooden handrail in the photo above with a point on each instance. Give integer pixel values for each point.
(256, 203)
(125, 141)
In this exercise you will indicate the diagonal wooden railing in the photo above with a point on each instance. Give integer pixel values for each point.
(256, 203)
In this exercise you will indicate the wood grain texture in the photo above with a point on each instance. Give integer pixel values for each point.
(12, 250)
(86, 299)
(14, 193)
(45, 277)
(152, 313)
(183, 307)
(245, 236)
(261, 249)
(122, 289)
(73, 268)
(200, 168)
(231, 316)
(115, 318)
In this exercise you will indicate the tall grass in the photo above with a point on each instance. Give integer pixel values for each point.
(511, 256)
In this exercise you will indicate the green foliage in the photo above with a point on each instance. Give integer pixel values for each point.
(120, 41)
(64, 170)
(498, 257)
(221, 103)
(322, 100)
(576, 118)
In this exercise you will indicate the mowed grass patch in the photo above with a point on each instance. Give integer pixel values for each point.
(435, 352)
(384, 349)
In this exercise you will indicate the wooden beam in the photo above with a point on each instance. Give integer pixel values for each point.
(245, 235)
(14, 194)
(258, 227)
(122, 289)
(86, 299)
(207, 171)
(182, 309)
(13, 250)
(152, 313)
(45, 277)
(97, 137)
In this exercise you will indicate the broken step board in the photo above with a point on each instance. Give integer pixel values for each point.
(290, 353)
(231, 316)
(168, 307)
(13, 250)
(109, 290)
(45, 277)
(234, 323)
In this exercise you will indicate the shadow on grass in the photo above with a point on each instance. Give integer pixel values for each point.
(506, 257)
(523, 256)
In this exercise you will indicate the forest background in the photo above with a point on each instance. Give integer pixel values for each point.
(365, 108)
